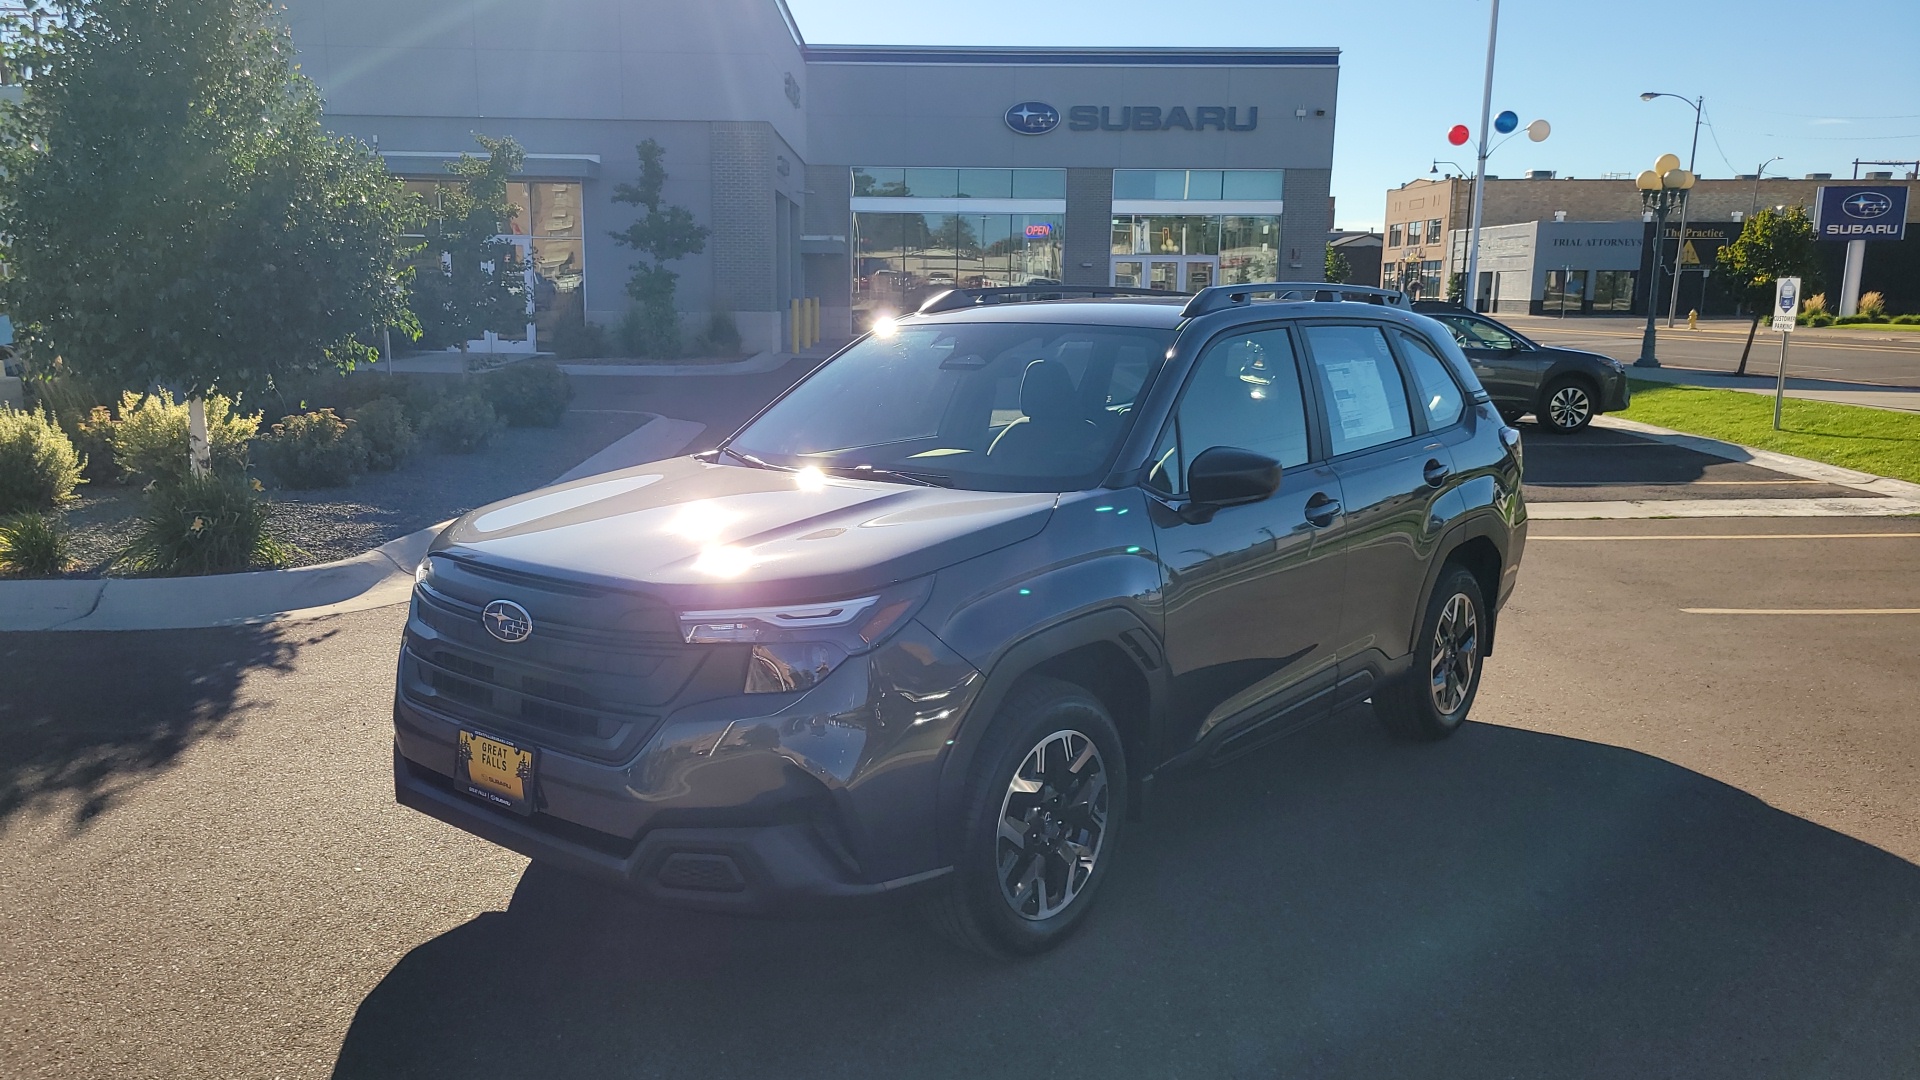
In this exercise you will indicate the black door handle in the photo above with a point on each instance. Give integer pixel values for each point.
(1322, 509)
(1436, 473)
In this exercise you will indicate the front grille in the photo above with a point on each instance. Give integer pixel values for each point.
(593, 679)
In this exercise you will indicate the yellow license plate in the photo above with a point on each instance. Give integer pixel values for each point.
(496, 771)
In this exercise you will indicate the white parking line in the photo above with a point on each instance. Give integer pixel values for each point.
(1734, 536)
(1666, 483)
(1801, 611)
(1722, 508)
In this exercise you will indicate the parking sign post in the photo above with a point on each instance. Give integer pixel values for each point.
(1786, 315)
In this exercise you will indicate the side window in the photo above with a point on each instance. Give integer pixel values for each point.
(1438, 394)
(1365, 399)
(1245, 393)
(1474, 334)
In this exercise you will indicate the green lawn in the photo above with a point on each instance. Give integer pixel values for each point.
(1871, 440)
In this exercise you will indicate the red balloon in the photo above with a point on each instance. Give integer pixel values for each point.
(1458, 135)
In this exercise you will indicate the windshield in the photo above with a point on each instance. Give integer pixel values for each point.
(983, 406)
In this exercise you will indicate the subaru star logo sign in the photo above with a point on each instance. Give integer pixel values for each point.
(1867, 205)
(507, 621)
(1033, 118)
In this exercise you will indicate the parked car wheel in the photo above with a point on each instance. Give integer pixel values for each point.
(1433, 698)
(1566, 405)
(1043, 811)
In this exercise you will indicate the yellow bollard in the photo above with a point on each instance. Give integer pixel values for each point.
(793, 325)
(813, 320)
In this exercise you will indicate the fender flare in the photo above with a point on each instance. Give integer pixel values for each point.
(1484, 522)
(1019, 659)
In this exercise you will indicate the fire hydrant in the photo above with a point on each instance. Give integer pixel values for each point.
(1693, 320)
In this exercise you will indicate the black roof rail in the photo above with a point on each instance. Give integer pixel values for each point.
(955, 299)
(1222, 297)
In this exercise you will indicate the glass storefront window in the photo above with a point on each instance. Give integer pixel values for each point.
(551, 216)
(1613, 290)
(1191, 184)
(884, 183)
(901, 259)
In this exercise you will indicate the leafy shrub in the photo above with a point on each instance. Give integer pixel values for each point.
(534, 393)
(574, 340)
(722, 337)
(38, 466)
(389, 435)
(314, 450)
(1906, 320)
(92, 436)
(650, 331)
(203, 525)
(1872, 304)
(460, 423)
(150, 442)
(1820, 319)
(1851, 320)
(1814, 305)
(33, 545)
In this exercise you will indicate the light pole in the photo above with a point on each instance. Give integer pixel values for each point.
(1662, 188)
(1447, 272)
(1470, 288)
(1754, 206)
(1698, 104)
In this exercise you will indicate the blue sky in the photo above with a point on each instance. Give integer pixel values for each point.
(1778, 78)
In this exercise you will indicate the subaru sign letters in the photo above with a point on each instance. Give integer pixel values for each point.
(1861, 213)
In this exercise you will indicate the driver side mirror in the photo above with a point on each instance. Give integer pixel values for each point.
(1227, 476)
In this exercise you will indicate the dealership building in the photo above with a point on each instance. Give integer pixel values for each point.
(863, 176)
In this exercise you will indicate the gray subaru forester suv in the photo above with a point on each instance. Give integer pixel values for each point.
(930, 624)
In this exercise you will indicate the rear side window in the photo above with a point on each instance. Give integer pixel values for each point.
(1435, 390)
(1360, 387)
(1244, 393)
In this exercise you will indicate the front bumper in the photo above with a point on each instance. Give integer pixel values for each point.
(1617, 394)
(825, 800)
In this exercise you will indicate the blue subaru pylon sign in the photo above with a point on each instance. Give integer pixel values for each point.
(1861, 213)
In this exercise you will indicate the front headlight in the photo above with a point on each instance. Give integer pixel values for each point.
(796, 646)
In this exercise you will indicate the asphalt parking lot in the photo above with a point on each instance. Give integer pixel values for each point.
(1680, 840)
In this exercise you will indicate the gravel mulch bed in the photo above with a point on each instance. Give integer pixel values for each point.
(339, 523)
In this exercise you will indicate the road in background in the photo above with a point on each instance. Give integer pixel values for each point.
(1885, 358)
(1674, 844)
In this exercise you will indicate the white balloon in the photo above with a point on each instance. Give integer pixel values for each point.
(1539, 130)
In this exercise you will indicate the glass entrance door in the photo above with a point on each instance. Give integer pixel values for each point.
(1166, 273)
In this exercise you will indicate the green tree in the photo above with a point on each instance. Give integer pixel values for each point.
(664, 234)
(174, 212)
(1338, 268)
(467, 279)
(1772, 244)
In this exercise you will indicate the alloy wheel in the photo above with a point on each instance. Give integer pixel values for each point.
(1456, 649)
(1053, 821)
(1569, 407)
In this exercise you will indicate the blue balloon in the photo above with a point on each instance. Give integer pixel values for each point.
(1506, 122)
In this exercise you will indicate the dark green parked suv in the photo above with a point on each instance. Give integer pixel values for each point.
(929, 626)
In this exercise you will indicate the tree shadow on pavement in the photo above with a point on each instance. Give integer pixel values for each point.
(84, 716)
(1506, 903)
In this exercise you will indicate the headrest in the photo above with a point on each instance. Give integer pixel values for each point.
(1046, 392)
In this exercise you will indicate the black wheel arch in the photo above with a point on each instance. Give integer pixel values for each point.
(1111, 654)
(1478, 543)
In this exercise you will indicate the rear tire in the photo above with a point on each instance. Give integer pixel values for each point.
(1567, 405)
(1042, 817)
(1433, 698)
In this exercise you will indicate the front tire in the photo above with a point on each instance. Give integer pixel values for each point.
(1042, 816)
(1433, 698)
(1566, 406)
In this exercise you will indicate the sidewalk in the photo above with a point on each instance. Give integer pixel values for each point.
(1759, 381)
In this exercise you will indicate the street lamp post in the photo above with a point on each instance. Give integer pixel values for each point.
(1698, 104)
(1454, 258)
(1663, 189)
(1754, 207)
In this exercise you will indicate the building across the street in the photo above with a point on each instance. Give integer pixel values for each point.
(864, 176)
(1361, 249)
(1582, 247)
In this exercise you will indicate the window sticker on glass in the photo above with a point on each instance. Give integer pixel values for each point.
(1359, 397)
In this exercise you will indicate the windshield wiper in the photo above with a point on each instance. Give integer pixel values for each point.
(749, 459)
(868, 472)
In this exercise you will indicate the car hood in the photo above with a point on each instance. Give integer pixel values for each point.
(1583, 354)
(693, 530)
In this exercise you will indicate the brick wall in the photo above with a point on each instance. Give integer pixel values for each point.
(744, 275)
(1304, 225)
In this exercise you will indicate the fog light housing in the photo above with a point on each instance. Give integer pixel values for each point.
(782, 667)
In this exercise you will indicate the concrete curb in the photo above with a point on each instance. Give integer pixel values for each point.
(372, 579)
(757, 364)
(1884, 486)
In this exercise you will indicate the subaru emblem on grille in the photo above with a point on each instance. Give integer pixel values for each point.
(507, 621)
